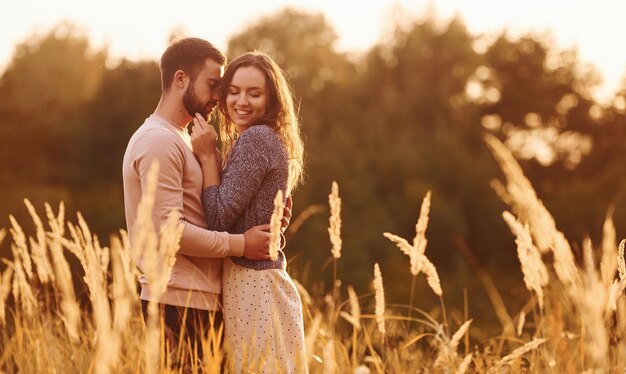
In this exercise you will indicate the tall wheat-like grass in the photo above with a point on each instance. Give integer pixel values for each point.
(447, 356)
(334, 232)
(520, 195)
(585, 311)
(533, 268)
(608, 262)
(5, 290)
(418, 260)
(379, 289)
(621, 264)
(70, 311)
(578, 327)
(275, 224)
(334, 229)
(157, 253)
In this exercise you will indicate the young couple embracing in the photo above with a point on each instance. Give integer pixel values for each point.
(223, 271)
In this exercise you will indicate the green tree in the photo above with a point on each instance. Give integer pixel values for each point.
(47, 81)
(569, 145)
(129, 92)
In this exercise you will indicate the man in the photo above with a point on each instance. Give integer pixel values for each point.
(191, 70)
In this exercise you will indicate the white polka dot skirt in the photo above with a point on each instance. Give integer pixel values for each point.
(263, 325)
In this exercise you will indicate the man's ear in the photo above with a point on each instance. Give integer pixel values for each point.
(180, 79)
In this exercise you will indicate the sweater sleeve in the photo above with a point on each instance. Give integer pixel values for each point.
(247, 167)
(165, 148)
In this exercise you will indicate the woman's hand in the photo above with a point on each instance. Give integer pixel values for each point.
(204, 140)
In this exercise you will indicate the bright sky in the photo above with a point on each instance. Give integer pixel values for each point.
(140, 28)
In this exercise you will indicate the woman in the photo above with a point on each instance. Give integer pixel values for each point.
(263, 154)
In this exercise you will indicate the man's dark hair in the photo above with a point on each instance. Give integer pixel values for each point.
(188, 55)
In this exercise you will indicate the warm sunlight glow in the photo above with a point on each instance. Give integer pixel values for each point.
(491, 122)
(140, 29)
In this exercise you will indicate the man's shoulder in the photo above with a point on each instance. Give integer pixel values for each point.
(153, 134)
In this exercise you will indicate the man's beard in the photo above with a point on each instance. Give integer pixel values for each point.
(193, 105)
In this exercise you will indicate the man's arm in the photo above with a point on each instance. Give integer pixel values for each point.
(165, 147)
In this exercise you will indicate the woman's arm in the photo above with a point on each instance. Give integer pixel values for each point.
(248, 165)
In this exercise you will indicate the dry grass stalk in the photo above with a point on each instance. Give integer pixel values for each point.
(608, 264)
(334, 229)
(521, 196)
(404, 246)
(621, 326)
(380, 299)
(5, 289)
(123, 286)
(355, 309)
(155, 254)
(420, 241)
(432, 278)
(304, 294)
(96, 268)
(419, 262)
(355, 320)
(517, 353)
(275, 225)
(591, 299)
(564, 264)
(39, 251)
(464, 364)
(521, 322)
(458, 335)
(447, 356)
(311, 336)
(330, 361)
(213, 355)
(621, 265)
(533, 268)
(22, 270)
(416, 252)
(70, 310)
(616, 290)
(20, 247)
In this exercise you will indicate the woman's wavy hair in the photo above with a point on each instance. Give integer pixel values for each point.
(281, 114)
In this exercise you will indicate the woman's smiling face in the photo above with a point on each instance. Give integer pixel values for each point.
(247, 96)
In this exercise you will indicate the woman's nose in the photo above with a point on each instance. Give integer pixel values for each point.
(242, 99)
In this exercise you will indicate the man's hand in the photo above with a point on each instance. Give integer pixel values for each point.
(286, 214)
(203, 139)
(257, 243)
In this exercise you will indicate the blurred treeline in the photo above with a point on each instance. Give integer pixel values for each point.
(388, 125)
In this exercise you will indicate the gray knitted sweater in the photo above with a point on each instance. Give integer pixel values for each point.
(257, 168)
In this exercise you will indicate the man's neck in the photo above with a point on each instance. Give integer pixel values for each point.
(173, 112)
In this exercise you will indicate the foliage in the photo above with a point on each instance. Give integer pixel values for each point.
(403, 118)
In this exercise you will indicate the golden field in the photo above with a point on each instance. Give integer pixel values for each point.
(574, 320)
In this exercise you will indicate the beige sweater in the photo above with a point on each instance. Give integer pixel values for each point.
(196, 277)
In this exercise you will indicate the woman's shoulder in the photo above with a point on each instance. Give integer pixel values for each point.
(259, 130)
(260, 136)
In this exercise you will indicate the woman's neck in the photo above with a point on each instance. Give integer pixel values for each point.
(241, 129)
